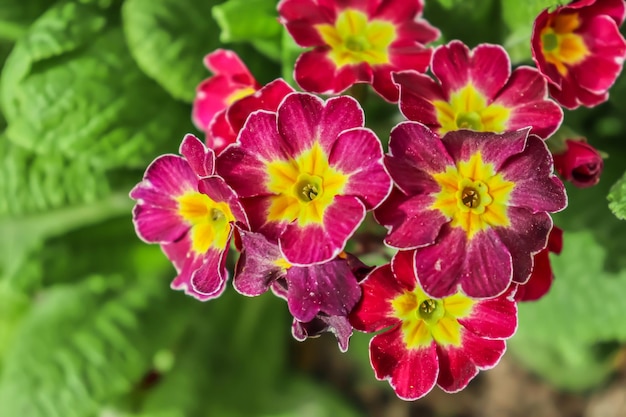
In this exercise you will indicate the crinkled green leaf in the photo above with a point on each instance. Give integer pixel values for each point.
(561, 336)
(16, 15)
(70, 87)
(617, 198)
(169, 39)
(253, 21)
(81, 347)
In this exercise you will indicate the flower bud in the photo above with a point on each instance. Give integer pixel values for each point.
(581, 163)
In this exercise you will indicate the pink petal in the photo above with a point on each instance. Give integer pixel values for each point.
(209, 280)
(300, 18)
(494, 318)
(374, 311)
(158, 225)
(223, 61)
(200, 158)
(319, 243)
(257, 268)
(217, 189)
(358, 153)
(458, 366)
(299, 119)
(417, 93)
(490, 69)
(411, 373)
(317, 73)
(166, 177)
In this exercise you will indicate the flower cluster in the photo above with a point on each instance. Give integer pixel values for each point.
(464, 189)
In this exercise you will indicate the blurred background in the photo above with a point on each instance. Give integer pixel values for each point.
(91, 91)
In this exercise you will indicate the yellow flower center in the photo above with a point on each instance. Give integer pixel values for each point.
(210, 221)
(468, 109)
(473, 195)
(560, 45)
(425, 319)
(304, 187)
(354, 39)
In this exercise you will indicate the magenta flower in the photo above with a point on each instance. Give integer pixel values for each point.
(230, 82)
(427, 340)
(319, 297)
(307, 174)
(189, 211)
(476, 90)
(472, 205)
(357, 41)
(579, 49)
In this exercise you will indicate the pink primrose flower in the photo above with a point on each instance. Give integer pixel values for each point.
(357, 41)
(307, 174)
(224, 101)
(426, 340)
(319, 297)
(476, 90)
(183, 206)
(579, 49)
(473, 206)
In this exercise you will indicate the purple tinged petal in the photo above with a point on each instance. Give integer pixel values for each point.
(259, 137)
(299, 118)
(337, 325)
(238, 166)
(339, 114)
(415, 154)
(490, 69)
(314, 243)
(209, 280)
(536, 188)
(200, 158)
(411, 222)
(411, 373)
(330, 288)
(358, 153)
(495, 148)
(166, 177)
(439, 267)
(257, 266)
(488, 267)
(526, 236)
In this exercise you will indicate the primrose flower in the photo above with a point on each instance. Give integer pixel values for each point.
(230, 82)
(580, 163)
(579, 49)
(187, 209)
(357, 41)
(443, 341)
(472, 205)
(476, 90)
(307, 174)
(319, 297)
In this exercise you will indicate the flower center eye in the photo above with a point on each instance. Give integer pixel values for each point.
(427, 308)
(549, 41)
(470, 197)
(355, 44)
(308, 188)
(216, 215)
(469, 120)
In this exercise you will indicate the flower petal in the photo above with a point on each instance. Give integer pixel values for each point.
(258, 265)
(494, 318)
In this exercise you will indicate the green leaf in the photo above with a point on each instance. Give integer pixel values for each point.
(17, 15)
(70, 87)
(169, 39)
(562, 335)
(617, 198)
(519, 17)
(254, 21)
(81, 347)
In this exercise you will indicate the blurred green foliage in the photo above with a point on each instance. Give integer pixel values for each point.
(91, 91)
